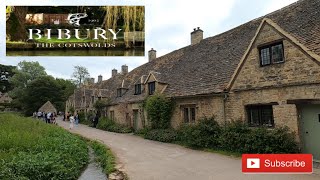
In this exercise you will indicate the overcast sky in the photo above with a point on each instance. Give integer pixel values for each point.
(168, 27)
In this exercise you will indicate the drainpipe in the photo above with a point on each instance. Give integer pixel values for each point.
(224, 107)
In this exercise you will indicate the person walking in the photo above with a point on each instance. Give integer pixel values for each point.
(76, 118)
(95, 120)
(71, 122)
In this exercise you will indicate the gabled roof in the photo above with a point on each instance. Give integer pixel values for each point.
(207, 67)
(47, 107)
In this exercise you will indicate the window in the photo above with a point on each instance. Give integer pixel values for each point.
(99, 98)
(260, 115)
(112, 115)
(137, 89)
(119, 92)
(189, 114)
(92, 99)
(271, 54)
(152, 87)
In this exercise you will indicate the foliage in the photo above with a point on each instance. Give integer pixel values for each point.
(100, 104)
(40, 91)
(162, 135)
(240, 138)
(25, 73)
(86, 120)
(6, 72)
(80, 73)
(104, 156)
(159, 110)
(35, 150)
(204, 134)
(109, 125)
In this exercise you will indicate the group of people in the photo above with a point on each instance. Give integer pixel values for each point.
(73, 118)
(48, 117)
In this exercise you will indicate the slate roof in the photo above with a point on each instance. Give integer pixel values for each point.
(207, 67)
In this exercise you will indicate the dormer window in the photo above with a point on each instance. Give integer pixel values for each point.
(152, 87)
(271, 54)
(121, 91)
(137, 89)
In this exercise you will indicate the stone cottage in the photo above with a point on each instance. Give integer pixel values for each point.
(265, 72)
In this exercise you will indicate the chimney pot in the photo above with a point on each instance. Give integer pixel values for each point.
(196, 36)
(124, 69)
(114, 72)
(99, 78)
(152, 55)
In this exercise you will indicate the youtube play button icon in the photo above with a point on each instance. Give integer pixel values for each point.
(253, 163)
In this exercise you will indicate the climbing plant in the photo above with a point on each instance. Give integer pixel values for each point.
(159, 110)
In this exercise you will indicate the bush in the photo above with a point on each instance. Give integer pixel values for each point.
(237, 137)
(163, 135)
(31, 149)
(159, 110)
(84, 120)
(205, 134)
(234, 136)
(109, 125)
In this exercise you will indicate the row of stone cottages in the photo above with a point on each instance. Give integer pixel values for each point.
(265, 72)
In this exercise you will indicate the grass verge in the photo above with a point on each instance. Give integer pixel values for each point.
(31, 149)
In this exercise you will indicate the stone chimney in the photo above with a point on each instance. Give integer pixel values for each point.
(114, 72)
(196, 36)
(92, 80)
(152, 55)
(124, 69)
(99, 79)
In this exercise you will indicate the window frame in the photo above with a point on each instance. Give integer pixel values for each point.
(260, 109)
(191, 115)
(269, 47)
(137, 89)
(151, 92)
(112, 115)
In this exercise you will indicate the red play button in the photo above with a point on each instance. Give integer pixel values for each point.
(252, 163)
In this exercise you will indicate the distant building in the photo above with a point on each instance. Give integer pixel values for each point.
(47, 107)
(5, 98)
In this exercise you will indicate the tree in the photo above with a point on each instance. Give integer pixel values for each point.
(15, 25)
(67, 87)
(25, 73)
(80, 74)
(6, 72)
(100, 105)
(41, 90)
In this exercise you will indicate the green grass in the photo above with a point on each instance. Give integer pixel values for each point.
(104, 156)
(31, 149)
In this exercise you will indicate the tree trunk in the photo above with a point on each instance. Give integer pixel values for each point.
(16, 24)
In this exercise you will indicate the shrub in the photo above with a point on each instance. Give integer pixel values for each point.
(159, 110)
(234, 136)
(109, 125)
(84, 120)
(163, 135)
(142, 132)
(238, 137)
(205, 134)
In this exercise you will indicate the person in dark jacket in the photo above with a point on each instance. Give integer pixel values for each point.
(95, 120)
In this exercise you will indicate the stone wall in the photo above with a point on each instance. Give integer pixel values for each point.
(205, 107)
(284, 113)
(298, 67)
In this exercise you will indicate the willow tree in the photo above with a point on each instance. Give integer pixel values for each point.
(130, 18)
(15, 24)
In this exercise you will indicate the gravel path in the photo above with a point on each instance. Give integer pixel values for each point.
(150, 160)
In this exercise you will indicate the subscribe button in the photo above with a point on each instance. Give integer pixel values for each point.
(277, 163)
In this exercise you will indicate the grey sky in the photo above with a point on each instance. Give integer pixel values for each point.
(168, 27)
